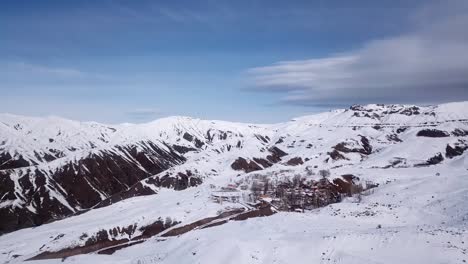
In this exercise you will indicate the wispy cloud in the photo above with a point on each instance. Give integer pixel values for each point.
(34, 79)
(143, 114)
(45, 70)
(155, 13)
(35, 70)
(427, 64)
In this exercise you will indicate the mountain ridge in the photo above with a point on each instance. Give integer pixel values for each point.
(79, 165)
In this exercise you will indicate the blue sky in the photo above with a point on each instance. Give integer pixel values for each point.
(251, 61)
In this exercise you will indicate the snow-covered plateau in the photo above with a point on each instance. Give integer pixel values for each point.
(367, 184)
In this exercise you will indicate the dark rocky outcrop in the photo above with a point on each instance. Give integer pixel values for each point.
(460, 132)
(198, 143)
(187, 137)
(247, 166)
(434, 133)
(366, 148)
(435, 160)
(155, 228)
(182, 149)
(280, 140)
(274, 157)
(348, 185)
(265, 163)
(9, 162)
(350, 177)
(276, 154)
(295, 161)
(343, 186)
(432, 161)
(451, 152)
(138, 189)
(343, 147)
(336, 155)
(394, 138)
(263, 209)
(401, 129)
(414, 110)
(264, 139)
(186, 228)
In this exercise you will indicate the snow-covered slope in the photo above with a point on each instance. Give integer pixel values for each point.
(51, 168)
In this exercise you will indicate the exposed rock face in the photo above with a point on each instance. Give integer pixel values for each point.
(460, 132)
(9, 162)
(109, 175)
(435, 160)
(265, 163)
(199, 223)
(139, 189)
(188, 137)
(336, 155)
(366, 147)
(363, 147)
(343, 186)
(155, 228)
(247, 166)
(276, 154)
(394, 138)
(183, 149)
(432, 133)
(432, 161)
(295, 161)
(350, 177)
(401, 129)
(198, 143)
(263, 209)
(451, 152)
(265, 139)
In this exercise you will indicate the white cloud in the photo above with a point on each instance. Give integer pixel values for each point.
(427, 64)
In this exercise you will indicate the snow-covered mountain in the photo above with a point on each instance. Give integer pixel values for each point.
(191, 174)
